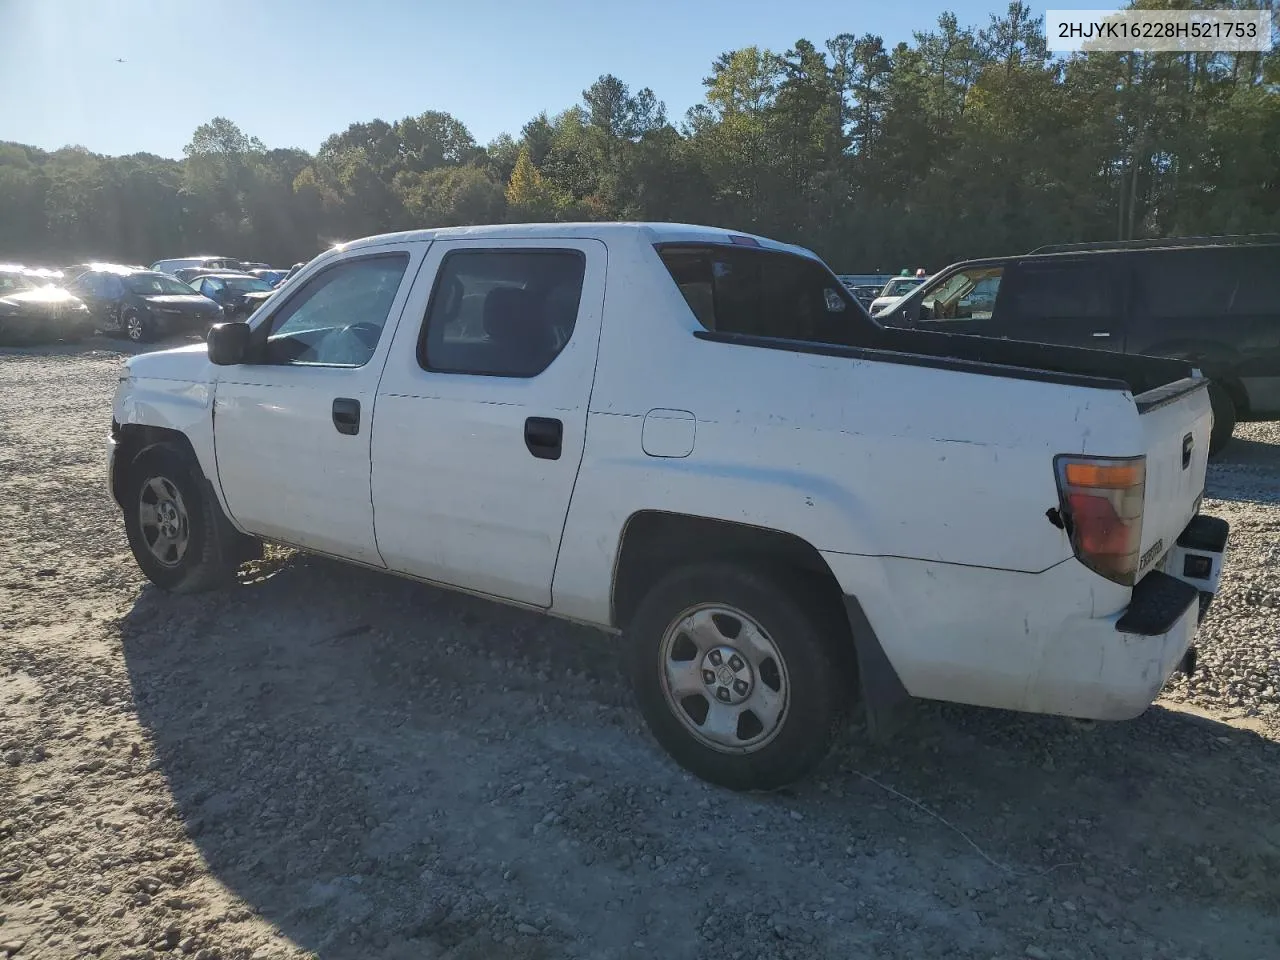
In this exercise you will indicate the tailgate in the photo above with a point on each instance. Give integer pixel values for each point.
(1176, 421)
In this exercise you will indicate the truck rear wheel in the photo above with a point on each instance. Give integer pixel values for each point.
(178, 534)
(739, 674)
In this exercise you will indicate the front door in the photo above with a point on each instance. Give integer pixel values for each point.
(482, 413)
(292, 430)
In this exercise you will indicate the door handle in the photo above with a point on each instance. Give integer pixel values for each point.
(346, 415)
(543, 436)
(1101, 333)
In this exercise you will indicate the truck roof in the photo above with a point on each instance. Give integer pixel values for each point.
(652, 232)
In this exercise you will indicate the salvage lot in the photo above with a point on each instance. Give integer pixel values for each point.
(328, 761)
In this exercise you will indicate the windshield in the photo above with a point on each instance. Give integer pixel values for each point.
(247, 285)
(901, 287)
(13, 283)
(156, 284)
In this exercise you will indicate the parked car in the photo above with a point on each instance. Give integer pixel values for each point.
(212, 263)
(249, 266)
(239, 294)
(271, 275)
(32, 310)
(144, 304)
(893, 291)
(864, 279)
(1214, 301)
(72, 271)
(631, 425)
(864, 293)
(189, 275)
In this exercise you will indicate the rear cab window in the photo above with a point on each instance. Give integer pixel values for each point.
(764, 293)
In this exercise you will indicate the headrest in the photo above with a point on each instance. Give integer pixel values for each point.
(506, 311)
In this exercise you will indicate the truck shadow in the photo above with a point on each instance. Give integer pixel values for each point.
(383, 769)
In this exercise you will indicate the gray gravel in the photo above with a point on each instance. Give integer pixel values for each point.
(324, 761)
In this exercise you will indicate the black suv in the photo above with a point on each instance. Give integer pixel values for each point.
(1214, 301)
(143, 304)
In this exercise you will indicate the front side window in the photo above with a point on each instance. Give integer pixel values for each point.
(968, 294)
(763, 293)
(502, 313)
(338, 317)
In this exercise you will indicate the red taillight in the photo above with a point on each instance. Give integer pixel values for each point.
(1102, 499)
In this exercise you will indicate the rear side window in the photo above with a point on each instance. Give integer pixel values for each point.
(1066, 291)
(501, 313)
(763, 293)
(1181, 284)
(1257, 288)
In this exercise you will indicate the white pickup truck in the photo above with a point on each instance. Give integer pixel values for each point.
(695, 438)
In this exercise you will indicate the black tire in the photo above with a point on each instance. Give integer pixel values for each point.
(1224, 418)
(805, 628)
(137, 326)
(213, 548)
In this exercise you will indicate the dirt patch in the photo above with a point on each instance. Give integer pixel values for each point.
(324, 761)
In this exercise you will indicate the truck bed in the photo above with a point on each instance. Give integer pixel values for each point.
(1138, 373)
(1147, 378)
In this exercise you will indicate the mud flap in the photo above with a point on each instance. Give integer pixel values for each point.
(885, 700)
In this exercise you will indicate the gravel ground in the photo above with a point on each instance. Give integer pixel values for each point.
(324, 761)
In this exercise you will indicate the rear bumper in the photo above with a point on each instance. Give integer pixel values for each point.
(1051, 642)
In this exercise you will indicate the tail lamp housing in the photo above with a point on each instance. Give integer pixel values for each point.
(1101, 503)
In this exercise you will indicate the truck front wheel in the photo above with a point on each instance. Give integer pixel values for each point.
(178, 534)
(739, 674)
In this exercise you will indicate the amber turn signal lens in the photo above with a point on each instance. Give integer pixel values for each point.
(1105, 476)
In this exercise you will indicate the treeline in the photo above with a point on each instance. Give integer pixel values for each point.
(966, 142)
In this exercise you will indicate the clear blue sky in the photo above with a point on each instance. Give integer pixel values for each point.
(291, 72)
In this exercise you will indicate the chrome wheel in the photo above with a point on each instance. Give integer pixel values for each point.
(163, 520)
(724, 678)
(133, 327)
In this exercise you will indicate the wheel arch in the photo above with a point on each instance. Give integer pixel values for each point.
(1218, 361)
(653, 542)
(132, 439)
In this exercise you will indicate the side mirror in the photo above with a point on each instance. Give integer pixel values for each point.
(229, 343)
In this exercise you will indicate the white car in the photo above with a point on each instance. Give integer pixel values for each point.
(893, 291)
(633, 426)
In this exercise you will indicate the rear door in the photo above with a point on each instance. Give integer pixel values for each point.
(482, 413)
(1072, 302)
